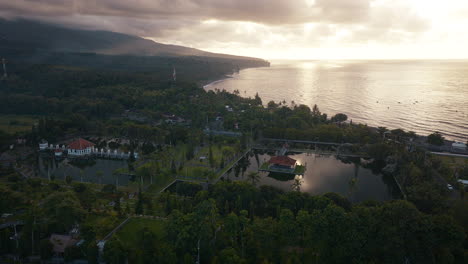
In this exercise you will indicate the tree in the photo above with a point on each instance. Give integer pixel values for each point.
(229, 256)
(81, 174)
(45, 249)
(63, 210)
(139, 205)
(211, 158)
(146, 171)
(173, 167)
(109, 189)
(221, 165)
(117, 207)
(257, 100)
(288, 227)
(296, 186)
(92, 253)
(339, 118)
(435, 139)
(231, 227)
(114, 252)
(380, 151)
(189, 154)
(254, 177)
(272, 105)
(72, 253)
(99, 175)
(68, 179)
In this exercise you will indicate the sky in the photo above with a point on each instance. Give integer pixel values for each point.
(273, 29)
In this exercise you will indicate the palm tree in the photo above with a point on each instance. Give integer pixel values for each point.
(99, 174)
(254, 177)
(116, 174)
(297, 183)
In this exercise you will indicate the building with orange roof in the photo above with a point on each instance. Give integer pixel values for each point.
(80, 147)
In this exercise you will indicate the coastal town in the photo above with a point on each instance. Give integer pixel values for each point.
(118, 149)
(165, 167)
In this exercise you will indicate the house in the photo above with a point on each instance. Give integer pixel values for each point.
(282, 162)
(58, 153)
(61, 242)
(43, 145)
(464, 182)
(458, 146)
(80, 147)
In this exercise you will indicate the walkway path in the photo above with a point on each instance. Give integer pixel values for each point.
(226, 169)
(302, 141)
(450, 155)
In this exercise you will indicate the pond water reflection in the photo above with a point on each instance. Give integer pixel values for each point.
(349, 178)
(96, 171)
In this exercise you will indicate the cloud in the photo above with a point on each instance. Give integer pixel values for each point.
(250, 26)
(259, 11)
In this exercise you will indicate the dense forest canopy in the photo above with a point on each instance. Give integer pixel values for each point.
(72, 94)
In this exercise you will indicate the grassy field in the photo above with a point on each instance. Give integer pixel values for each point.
(129, 234)
(454, 162)
(159, 184)
(12, 124)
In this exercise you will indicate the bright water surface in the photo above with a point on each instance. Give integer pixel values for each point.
(324, 174)
(419, 96)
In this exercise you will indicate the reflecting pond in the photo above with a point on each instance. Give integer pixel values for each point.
(351, 178)
(96, 171)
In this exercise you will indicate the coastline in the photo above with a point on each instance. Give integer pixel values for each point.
(204, 84)
(224, 77)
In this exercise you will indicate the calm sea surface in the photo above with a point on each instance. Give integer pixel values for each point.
(419, 96)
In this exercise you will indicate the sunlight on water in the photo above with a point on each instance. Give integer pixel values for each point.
(420, 96)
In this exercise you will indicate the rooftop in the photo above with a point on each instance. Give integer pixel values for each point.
(61, 242)
(282, 160)
(80, 144)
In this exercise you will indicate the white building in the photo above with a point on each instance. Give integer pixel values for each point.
(459, 145)
(43, 145)
(464, 182)
(58, 152)
(80, 147)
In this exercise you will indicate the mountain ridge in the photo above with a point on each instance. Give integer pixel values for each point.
(22, 34)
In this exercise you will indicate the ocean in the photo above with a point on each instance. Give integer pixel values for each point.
(423, 96)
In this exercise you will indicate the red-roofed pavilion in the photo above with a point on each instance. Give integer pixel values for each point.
(283, 161)
(80, 147)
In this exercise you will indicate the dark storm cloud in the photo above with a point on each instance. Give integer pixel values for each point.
(260, 11)
(235, 24)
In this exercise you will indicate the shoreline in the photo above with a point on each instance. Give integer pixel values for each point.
(204, 84)
(447, 141)
(224, 77)
(448, 138)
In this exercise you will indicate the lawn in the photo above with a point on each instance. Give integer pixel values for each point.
(102, 224)
(12, 124)
(159, 183)
(454, 161)
(130, 232)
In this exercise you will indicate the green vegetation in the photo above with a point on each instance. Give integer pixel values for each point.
(299, 169)
(13, 124)
(129, 234)
(435, 139)
(233, 222)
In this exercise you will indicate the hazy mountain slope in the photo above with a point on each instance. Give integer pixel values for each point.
(31, 35)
